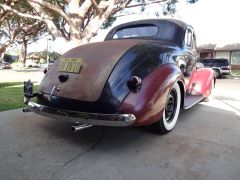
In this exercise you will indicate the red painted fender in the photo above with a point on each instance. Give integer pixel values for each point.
(203, 80)
(148, 104)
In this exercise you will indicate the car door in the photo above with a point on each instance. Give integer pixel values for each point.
(191, 52)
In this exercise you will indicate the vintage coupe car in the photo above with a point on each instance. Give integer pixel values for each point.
(143, 73)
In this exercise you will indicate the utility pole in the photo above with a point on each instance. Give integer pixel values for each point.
(47, 53)
(48, 47)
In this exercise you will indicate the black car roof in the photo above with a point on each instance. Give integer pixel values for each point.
(153, 21)
(180, 26)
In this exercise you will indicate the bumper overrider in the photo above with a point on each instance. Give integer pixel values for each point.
(75, 116)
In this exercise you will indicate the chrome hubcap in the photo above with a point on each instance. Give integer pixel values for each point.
(171, 106)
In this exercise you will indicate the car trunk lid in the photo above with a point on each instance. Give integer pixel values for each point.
(85, 79)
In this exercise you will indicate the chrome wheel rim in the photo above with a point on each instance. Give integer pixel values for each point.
(171, 106)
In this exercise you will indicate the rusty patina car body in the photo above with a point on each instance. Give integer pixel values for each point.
(141, 74)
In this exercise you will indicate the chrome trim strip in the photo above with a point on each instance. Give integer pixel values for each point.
(82, 117)
(80, 127)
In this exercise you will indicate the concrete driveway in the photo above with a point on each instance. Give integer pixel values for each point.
(204, 145)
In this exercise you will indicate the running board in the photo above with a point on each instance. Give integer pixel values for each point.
(191, 100)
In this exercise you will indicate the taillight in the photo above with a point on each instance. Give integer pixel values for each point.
(135, 83)
(226, 68)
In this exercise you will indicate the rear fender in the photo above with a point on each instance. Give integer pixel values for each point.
(149, 103)
(201, 82)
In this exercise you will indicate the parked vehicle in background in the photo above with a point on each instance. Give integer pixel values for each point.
(220, 66)
(5, 65)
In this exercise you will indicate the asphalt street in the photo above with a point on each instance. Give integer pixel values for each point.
(205, 144)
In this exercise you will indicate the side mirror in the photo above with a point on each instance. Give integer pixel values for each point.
(199, 65)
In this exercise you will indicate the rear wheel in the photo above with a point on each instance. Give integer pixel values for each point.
(171, 111)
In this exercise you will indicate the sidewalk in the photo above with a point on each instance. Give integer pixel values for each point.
(11, 75)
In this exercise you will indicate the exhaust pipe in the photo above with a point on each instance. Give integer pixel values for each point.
(25, 109)
(80, 127)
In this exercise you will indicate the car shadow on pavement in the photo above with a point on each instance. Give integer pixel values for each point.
(123, 135)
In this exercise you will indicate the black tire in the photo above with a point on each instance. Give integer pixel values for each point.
(171, 111)
(217, 73)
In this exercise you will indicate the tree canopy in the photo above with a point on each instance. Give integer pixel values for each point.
(74, 20)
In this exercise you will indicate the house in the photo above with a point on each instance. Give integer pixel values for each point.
(230, 52)
(33, 59)
(207, 51)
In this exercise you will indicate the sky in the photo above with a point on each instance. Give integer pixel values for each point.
(214, 21)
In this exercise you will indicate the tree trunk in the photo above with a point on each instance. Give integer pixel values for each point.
(24, 52)
(3, 48)
(1, 54)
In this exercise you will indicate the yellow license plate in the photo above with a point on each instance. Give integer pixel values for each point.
(70, 65)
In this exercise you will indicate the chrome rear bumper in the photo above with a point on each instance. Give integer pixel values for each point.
(82, 117)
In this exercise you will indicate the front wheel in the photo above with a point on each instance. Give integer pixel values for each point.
(171, 111)
(217, 73)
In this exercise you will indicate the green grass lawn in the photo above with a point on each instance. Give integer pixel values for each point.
(235, 73)
(11, 95)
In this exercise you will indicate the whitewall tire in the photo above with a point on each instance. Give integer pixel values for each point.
(171, 111)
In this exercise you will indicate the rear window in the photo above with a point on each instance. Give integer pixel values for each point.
(136, 31)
